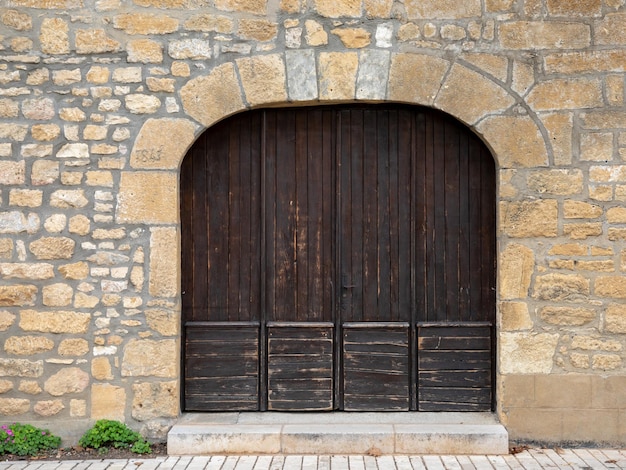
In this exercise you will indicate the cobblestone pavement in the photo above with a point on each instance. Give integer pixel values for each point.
(532, 459)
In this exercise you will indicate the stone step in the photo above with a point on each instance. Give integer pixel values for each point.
(337, 433)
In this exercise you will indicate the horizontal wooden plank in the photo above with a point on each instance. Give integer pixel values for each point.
(454, 343)
(373, 403)
(302, 404)
(200, 403)
(299, 347)
(442, 407)
(217, 349)
(386, 349)
(288, 324)
(373, 362)
(220, 334)
(300, 384)
(223, 366)
(454, 378)
(454, 360)
(221, 385)
(455, 395)
(452, 331)
(375, 325)
(376, 336)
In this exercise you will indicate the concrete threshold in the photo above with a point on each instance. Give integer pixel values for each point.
(375, 433)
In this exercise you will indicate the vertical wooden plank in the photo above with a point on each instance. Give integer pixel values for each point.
(315, 223)
(465, 275)
(354, 281)
(270, 214)
(251, 196)
(451, 228)
(370, 192)
(384, 239)
(233, 255)
(347, 217)
(200, 232)
(302, 249)
(438, 248)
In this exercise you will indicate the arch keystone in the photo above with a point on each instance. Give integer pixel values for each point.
(337, 75)
(213, 97)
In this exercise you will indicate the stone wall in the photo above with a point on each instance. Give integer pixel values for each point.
(100, 99)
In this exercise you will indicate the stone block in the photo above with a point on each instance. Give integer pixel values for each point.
(48, 407)
(57, 295)
(606, 362)
(556, 182)
(38, 108)
(353, 38)
(516, 266)
(566, 93)
(544, 35)
(54, 36)
(403, 88)
(156, 85)
(211, 98)
(6, 320)
(20, 368)
(301, 75)
(147, 197)
(315, 35)
(25, 197)
(95, 41)
(145, 23)
(80, 225)
(515, 316)
(155, 400)
(194, 48)
(108, 402)
(263, 79)
(581, 210)
(616, 215)
(165, 322)
(14, 406)
(78, 408)
(257, 29)
(590, 425)
(207, 23)
(66, 77)
(607, 392)
(72, 115)
(567, 315)
(258, 7)
(101, 368)
(16, 295)
(332, 9)
(372, 78)
(54, 322)
(9, 108)
(610, 30)
(527, 353)
(580, 231)
(51, 248)
(127, 75)
(585, 62)
(18, 20)
(517, 391)
(12, 173)
(45, 132)
(67, 381)
(337, 75)
(73, 347)
(561, 287)
(613, 287)
(615, 318)
(141, 103)
(531, 218)
(31, 387)
(442, 9)
(44, 172)
(15, 132)
(17, 222)
(164, 278)
(596, 146)
(149, 358)
(162, 143)
(516, 141)
(27, 345)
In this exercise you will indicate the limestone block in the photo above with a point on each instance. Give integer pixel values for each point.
(95, 41)
(337, 75)
(527, 353)
(48, 407)
(25, 197)
(34, 271)
(544, 35)
(17, 222)
(213, 97)
(73, 347)
(38, 77)
(611, 286)
(585, 62)
(20, 368)
(14, 406)
(258, 7)
(16, 295)
(144, 357)
(515, 316)
(596, 146)
(611, 30)
(45, 132)
(137, 277)
(101, 368)
(164, 322)
(606, 362)
(82, 300)
(591, 343)
(556, 182)
(98, 74)
(615, 318)
(567, 315)
(68, 198)
(263, 79)
(66, 381)
(531, 218)
(566, 93)
(147, 197)
(139, 103)
(353, 38)
(53, 37)
(27, 345)
(155, 400)
(12, 172)
(108, 402)
(17, 20)
(80, 225)
(106, 258)
(145, 23)
(9, 108)
(6, 320)
(315, 33)
(301, 75)
(53, 248)
(57, 295)
(127, 75)
(516, 266)
(78, 408)
(54, 322)
(30, 387)
(451, 32)
(156, 85)
(581, 210)
(72, 115)
(257, 29)
(66, 77)
(371, 82)
(442, 9)
(616, 215)
(345, 8)
(209, 23)
(194, 49)
(145, 51)
(561, 287)
(163, 277)
(470, 104)
(15, 132)
(581, 8)
(162, 143)
(38, 108)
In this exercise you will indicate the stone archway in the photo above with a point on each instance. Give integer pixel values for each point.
(149, 192)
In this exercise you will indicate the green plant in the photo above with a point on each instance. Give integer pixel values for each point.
(110, 433)
(24, 439)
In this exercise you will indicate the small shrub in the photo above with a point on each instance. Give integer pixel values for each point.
(24, 439)
(109, 433)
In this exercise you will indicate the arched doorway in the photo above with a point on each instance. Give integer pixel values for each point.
(338, 258)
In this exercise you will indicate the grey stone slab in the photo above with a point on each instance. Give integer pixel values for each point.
(224, 438)
(301, 75)
(371, 83)
(452, 439)
(337, 439)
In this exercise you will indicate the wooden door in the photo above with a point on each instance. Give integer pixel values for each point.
(338, 258)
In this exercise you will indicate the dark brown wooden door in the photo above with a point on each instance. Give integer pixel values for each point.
(338, 258)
